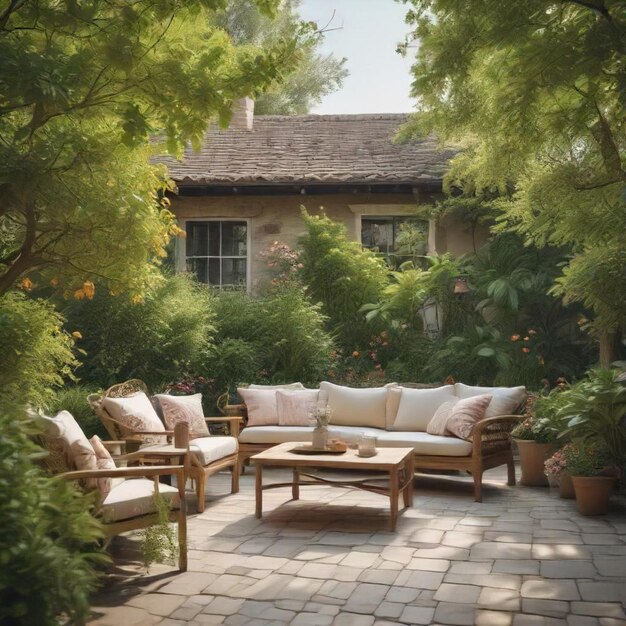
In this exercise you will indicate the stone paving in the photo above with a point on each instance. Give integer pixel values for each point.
(523, 557)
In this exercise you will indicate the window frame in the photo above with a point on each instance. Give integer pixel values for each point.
(394, 219)
(182, 258)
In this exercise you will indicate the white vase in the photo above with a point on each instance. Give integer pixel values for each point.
(320, 437)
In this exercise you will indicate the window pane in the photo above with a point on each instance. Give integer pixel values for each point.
(214, 272)
(199, 268)
(197, 239)
(234, 272)
(234, 239)
(214, 239)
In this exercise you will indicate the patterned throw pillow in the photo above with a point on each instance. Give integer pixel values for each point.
(84, 457)
(104, 460)
(465, 414)
(294, 408)
(437, 425)
(184, 409)
(135, 413)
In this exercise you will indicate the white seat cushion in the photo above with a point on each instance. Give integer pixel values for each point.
(282, 434)
(209, 449)
(132, 498)
(504, 401)
(417, 407)
(425, 444)
(355, 406)
(274, 387)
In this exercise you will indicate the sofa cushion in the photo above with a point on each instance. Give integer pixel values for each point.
(208, 449)
(437, 425)
(465, 414)
(504, 402)
(261, 406)
(295, 407)
(135, 413)
(281, 434)
(425, 444)
(356, 407)
(183, 409)
(274, 387)
(417, 407)
(134, 497)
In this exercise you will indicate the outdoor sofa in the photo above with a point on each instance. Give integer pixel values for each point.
(397, 415)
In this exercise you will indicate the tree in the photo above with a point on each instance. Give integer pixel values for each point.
(315, 75)
(84, 86)
(534, 91)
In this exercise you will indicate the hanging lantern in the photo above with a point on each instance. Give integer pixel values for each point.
(461, 287)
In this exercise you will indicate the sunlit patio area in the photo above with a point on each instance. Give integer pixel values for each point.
(522, 556)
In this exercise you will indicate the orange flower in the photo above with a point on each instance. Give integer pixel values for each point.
(89, 288)
(79, 294)
(137, 299)
(26, 284)
(54, 281)
(76, 334)
(526, 338)
(532, 332)
(514, 337)
(356, 354)
(525, 349)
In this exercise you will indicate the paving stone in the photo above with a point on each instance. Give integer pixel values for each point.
(521, 566)
(470, 567)
(157, 603)
(335, 589)
(379, 576)
(398, 554)
(404, 595)
(431, 565)
(428, 535)
(582, 620)
(502, 599)
(417, 615)
(365, 598)
(550, 608)
(353, 619)
(458, 539)
(499, 581)
(602, 591)
(598, 609)
(451, 613)
(609, 566)
(495, 550)
(462, 594)
(189, 583)
(443, 552)
(492, 618)
(389, 609)
(603, 539)
(360, 559)
(224, 606)
(560, 552)
(312, 619)
(419, 579)
(537, 620)
(553, 589)
(567, 569)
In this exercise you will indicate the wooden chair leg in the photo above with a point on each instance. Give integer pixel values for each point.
(182, 540)
(511, 470)
(478, 484)
(200, 491)
(234, 479)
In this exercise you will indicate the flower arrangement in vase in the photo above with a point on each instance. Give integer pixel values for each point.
(321, 416)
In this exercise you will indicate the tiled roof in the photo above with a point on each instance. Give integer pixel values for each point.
(312, 149)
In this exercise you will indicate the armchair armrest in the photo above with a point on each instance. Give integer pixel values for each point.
(154, 451)
(496, 424)
(234, 422)
(115, 447)
(126, 472)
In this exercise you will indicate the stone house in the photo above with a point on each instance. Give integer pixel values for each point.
(243, 190)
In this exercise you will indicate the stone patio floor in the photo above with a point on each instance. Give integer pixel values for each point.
(522, 557)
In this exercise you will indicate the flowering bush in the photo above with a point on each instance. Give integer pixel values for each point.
(557, 463)
(533, 429)
(282, 260)
(588, 459)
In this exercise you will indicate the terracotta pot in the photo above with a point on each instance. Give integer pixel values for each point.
(566, 486)
(593, 493)
(532, 456)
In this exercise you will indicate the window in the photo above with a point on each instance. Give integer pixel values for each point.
(217, 252)
(399, 236)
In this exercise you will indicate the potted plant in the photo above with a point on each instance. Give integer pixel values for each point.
(593, 474)
(556, 466)
(535, 439)
(594, 410)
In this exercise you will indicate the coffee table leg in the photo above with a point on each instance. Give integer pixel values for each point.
(393, 495)
(295, 486)
(407, 492)
(258, 491)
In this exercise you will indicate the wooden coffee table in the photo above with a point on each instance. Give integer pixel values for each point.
(394, 464)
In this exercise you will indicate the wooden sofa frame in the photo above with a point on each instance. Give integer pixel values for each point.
(197, 472)
(484, 454)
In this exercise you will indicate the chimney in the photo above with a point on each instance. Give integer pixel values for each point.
(243, 114)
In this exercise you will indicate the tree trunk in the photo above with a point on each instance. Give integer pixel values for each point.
(607, 348)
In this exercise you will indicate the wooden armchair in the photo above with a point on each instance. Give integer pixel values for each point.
(129, 505)
(208, 455)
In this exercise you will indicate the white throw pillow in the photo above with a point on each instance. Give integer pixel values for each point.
(261, 406)
(504, 399)
(294, 408)
(184, 409)
(355, 407)
(394, 393)
(135, 413)
(417, 407)
(274, 387)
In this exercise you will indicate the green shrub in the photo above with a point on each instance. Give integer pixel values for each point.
(236, 361)
(36, 352)
(48, 538)
(341, 275)
(74, 400)
(167, 335)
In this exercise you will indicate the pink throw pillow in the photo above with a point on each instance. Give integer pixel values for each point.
(104, 460)
(465, 414)
(294, 408)
(439, 421)
(261, 406)
(184, 409)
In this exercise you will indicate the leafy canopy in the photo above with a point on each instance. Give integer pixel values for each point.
(534, 92)
(84, 85)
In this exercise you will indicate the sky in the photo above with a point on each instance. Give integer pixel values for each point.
(379, 80)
